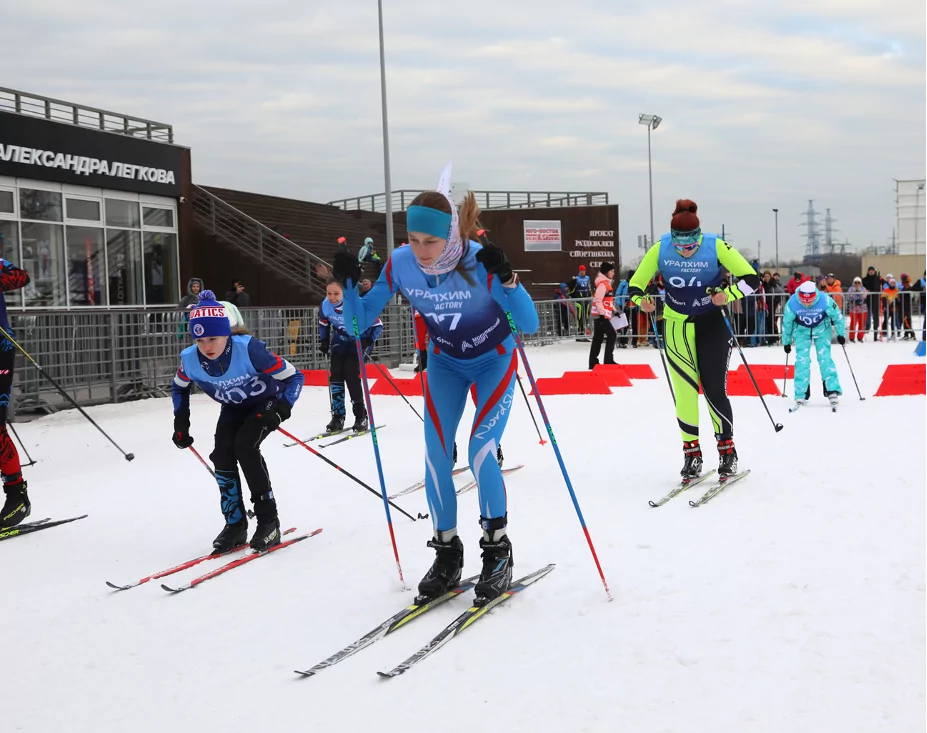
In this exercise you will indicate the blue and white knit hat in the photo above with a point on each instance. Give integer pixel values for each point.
(209, 317)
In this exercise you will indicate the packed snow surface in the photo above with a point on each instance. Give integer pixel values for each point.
(794, 601)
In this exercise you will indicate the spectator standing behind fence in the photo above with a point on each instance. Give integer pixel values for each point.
(797, 279)
(858, 308)
(697, 340)
(602, 308)
(906, 307)
(808, 318)
(563, 309)
(16, 506)
(872, 282)
(257, 390)
(194, 288)
(890, 308)
(238, 296)
(580, 288)
(834, 289)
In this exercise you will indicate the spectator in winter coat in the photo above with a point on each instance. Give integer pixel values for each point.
(834, 289)
(872, 282)
(858, 308)
(580, 288)
(906, 307)
(564, 309)
(621, 302)
(797, 279)
(890, 321)
(602, 304)
(194, 288)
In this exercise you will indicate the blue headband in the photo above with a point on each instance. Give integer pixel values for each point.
(426, 220)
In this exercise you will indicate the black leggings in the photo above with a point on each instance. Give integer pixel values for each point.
(698, 353)
(602, 331)
(346, 370)
(238, 443)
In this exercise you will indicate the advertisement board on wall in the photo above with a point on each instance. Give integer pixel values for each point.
(542, 236)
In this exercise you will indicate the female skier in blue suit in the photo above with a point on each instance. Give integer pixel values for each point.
(463, 290)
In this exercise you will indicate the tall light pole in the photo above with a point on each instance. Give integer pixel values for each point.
(652, 122)
(776, 212)
(386, 176)
(917, 213)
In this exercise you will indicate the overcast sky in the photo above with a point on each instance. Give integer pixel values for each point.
(764, 104)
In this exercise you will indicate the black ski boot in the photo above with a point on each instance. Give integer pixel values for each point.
(231, 536)
(692, 468)
(727, 463)
(267, 534)
(17, 505)
(496, 575)
(360, 420)
(499, 457)
(336, 425)
(447, 568)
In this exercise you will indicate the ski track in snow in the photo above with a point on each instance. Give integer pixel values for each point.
(794, 601)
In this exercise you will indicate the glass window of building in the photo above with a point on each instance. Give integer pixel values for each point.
(82, 209)
(124, 262)
(7, 202)
(86, 273)
(43, 259)
(9, 250)
(158, 217)
(160, 268)
(39, 205)
(121, 213)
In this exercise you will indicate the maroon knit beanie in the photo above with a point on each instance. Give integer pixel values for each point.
(684, 217)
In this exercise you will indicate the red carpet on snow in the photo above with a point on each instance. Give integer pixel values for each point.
(408, 387)
(773, 371)
(572, 383)
(902, 379)
(620, 375)
(740, 385)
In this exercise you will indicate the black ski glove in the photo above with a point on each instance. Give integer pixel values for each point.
(272, 414)
(181, 437)
(367, 348)
(324, 347)
(788, 348)
(494, 260)
(346, 267)
(841, 340)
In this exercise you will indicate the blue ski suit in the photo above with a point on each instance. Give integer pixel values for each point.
(805, 324)
(471, 344)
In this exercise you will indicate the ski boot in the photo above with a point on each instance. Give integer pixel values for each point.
(267, 534)
(231, 536)
(692, 467)
(17, 505)
(727, 463)
(336, 425)
(496, 575)
(447, 568)
(360, 420)
(499, 457)
(833, 398)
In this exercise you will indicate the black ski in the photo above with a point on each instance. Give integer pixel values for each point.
(10, 533)
(468, 617)
(682, 486)
(720, 486)
(389, 626)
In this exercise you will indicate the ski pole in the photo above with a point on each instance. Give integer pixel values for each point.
(393, 384)
(200, 459)
(785, 376)
(128, 456)
(31, 462)
(334, 465)
(376, 451)
(550, 432)
(661, 348)
(727, 321)
(528, 404)
(843, 346)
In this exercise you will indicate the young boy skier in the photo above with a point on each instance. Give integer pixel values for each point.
(257, 390)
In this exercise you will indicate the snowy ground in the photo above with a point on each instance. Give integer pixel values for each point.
(795, 601)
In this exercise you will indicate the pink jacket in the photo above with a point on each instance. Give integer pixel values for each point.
(603, 298)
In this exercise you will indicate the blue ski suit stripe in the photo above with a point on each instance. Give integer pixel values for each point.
(473, 345)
